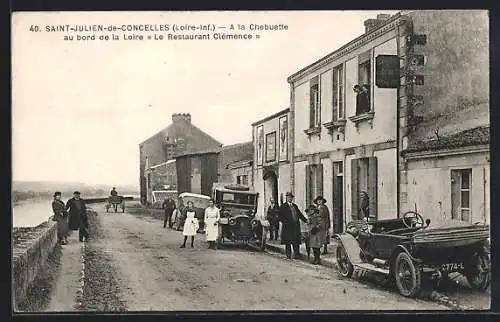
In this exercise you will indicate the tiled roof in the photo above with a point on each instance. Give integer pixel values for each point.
(475, 136)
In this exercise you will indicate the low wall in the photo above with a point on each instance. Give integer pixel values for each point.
(30, 249)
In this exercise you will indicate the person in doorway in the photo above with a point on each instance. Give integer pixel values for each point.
(168, 206)
(273, 217)
(191, 224)
(317, 226)
(362, 100)
(212, 216)
(364, 203)
(320, 203)
(290, 216)
(78, 219)
(61, 217)
(113, 192)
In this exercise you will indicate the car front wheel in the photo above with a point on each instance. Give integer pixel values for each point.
(345, 267)
(408, 277)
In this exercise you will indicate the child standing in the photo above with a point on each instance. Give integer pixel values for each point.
(304, 232)
(191, 224)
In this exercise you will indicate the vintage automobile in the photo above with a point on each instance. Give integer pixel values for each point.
(200, 203)
(239, 222)
(408, 250)
(115, 202)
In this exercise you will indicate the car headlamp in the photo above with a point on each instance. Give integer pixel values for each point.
(254, 222)
(232, 221)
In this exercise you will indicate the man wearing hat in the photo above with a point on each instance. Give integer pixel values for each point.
(78, 216)
(320, 203)
(289, 215)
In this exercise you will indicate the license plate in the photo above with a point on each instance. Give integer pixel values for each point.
(452, 267)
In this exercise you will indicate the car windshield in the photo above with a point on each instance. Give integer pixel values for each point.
(237, 198)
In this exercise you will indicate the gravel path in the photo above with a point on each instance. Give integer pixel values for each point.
(153, 273)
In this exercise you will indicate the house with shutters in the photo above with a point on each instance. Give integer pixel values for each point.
(360, 115)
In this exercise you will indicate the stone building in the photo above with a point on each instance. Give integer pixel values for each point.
(179, 138)
(241, 172)
(271, 159)
(231, 158)
(413, 79)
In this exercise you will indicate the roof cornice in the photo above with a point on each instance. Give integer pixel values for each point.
(389, 25)
(445, 152)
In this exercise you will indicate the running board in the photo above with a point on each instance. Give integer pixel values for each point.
(372, 268)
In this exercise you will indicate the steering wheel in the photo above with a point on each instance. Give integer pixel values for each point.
(413, 219)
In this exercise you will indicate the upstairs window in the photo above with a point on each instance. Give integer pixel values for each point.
(315, 103)
(338, 93)
(363, 88)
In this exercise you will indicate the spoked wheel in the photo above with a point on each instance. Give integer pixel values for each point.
(408, 277)
(478, 273)
(345, 267)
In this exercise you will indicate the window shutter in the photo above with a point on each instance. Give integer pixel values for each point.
(455, 194)
(308, 185)
(319, 180)
(311, 107)
(372, 186)
(354, 190)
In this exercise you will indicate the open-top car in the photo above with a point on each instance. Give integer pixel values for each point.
(239, 222)
(115, 202)
(408, 250)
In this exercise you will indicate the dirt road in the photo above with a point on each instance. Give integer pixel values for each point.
(146, 270)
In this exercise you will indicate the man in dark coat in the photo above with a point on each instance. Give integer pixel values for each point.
(169, 207)
(289, 215)
(78, 216)
(273, 217)
(113, 192)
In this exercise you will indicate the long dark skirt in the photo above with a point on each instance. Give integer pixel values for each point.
(62, 228)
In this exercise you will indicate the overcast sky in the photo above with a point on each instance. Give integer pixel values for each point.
(80, 109)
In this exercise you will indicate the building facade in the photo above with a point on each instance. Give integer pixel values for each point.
(356, 110)
(241, 172)
(179, 138)
(272, 158)
(197, 172)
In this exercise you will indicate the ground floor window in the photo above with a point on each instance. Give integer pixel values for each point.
(243, 179)
(364, 188)
(461, 181)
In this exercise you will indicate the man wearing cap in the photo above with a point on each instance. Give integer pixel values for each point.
(78, 216)
(289, 215)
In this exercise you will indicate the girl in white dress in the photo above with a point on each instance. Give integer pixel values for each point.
(212, 216)
(191, 224)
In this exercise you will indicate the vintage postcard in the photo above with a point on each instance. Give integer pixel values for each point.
(246, 160)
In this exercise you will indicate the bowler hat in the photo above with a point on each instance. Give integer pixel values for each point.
(289, 194)
(57, 193)
(76, 192)
(319, 198)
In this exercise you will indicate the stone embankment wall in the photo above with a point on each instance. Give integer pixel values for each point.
(30, 249)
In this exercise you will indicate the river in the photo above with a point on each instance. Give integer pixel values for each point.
(31, 213)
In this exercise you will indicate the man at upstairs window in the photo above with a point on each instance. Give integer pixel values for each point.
(362, 99)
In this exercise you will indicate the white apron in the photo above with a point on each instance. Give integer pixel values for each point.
(191, 224)
(212, 216)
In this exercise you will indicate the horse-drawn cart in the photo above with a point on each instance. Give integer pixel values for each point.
(115, 202)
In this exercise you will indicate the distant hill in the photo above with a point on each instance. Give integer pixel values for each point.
(22, 190)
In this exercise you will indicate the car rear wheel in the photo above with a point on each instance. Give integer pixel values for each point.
(478, 273)
(345, 267)
(408, 277)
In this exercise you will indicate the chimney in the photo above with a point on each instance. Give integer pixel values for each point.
(186, 117)
(371, 24)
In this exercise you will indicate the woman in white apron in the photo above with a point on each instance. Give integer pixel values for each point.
(191, 224)
(212, 216)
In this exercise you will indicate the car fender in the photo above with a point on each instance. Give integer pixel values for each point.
(398, 249)
(351, 247)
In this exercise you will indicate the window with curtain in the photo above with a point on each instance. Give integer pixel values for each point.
(315, 103)
(461, 181)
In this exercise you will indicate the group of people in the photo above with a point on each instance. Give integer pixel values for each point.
(69, 216)
(314, 231)
(191, 224)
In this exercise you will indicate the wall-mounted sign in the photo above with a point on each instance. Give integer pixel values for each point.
(260, 144)
(283, 123)
(387, 71)
(271, 147)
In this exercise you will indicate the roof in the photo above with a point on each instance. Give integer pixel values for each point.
(239, 163)
(195, 139)
(270, 117)
(475, 136)
(195, 195)
(346, 48)
(161, 164)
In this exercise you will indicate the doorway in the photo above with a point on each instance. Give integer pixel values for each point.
(270, 187)
(338, 197)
